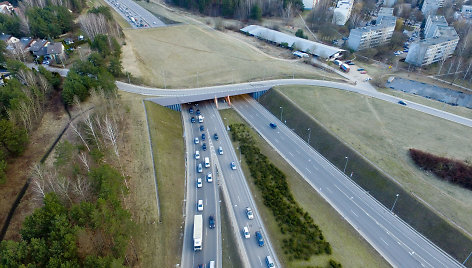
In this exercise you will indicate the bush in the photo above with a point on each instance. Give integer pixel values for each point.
(301, 34)
(451, 170)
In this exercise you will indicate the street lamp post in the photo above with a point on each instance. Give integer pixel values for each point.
(345, 166)
(396, 198)
(309, 134)
(239, 149)
(467, 258)
(281, 111)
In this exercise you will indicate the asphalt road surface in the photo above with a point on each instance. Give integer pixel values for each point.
(141, 17)
(239, 193)
(208, 193)
(397, 242)
(235, 89)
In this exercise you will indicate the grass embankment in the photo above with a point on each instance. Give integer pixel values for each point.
(348, 247)
(159, 242)
(193, 55)
(383, 133)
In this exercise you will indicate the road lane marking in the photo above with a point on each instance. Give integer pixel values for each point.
(308, 170)
(383, 241)
(354, 213)
(291, 154)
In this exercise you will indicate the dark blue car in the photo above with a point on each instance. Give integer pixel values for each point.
(202, 128)
(259, 238)
(273, 125)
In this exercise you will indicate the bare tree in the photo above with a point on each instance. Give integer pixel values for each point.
(93, 24)
(77, 132)
(84, 160)
(91, 130)
(39, 181)
(81, 188)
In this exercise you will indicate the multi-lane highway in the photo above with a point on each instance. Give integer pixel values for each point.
(208, 193)
(136, 15)
(398, 243)
(237, 189)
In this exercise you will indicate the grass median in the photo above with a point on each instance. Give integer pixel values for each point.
(352, 125)
(348, 247)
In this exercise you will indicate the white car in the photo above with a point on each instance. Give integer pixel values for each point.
(209, 177)
(220, 150)
(196, 140)
(249, 213)
(200, 205)
(246, 232)
(233, 166)
(199, 168)
(199, 183)
(197, 154)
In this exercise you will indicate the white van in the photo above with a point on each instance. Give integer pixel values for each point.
(270, 262)
(211, 264)
(207, 162)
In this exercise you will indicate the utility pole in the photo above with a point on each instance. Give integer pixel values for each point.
(347, 159)
(281, 111)
(395, 202)
(309, 134)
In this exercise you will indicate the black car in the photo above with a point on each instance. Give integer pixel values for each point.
(202, 128)
(259, 238)
(215, 136)
(192, 119)
(211, 222)
(190, 110)
(203, 136)
(273, 125)
(204, 147)
(197, 112)
(401, 102)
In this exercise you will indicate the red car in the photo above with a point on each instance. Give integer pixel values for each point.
(363, 72)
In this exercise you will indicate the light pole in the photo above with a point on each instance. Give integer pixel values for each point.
(396, 198)
(467, 258)
(347, 159)
(309, 134)
(281, 111)
(239, 149)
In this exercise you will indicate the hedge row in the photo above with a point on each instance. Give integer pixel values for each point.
(303, 237)
(452, 170)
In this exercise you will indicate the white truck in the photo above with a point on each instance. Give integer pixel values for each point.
(197, 232)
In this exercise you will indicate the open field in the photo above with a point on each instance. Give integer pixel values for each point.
(194, 55)
(349, 248)
(158, 241)
(383, 132)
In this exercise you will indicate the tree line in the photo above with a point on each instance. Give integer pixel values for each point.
(451, 170)
(303, 238)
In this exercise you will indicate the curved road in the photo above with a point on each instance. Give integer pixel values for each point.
(233, 89)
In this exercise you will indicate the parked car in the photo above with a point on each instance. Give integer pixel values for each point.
(363, 72)
(260, 239)
(246, 233)
(249, 213)
(273, 125)
(360, 69)
(211, 222)
(199, 183)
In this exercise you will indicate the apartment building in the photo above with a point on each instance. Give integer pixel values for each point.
(440, 42)
(372, 35)
(342, 12)
(431, 6)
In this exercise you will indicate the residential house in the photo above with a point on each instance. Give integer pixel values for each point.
(6, 7)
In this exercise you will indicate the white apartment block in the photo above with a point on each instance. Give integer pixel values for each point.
(431, 6)
(466, 11)
(389, 3)
(342, 12)
(440, 44)
(373, 35)
(433, 23)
